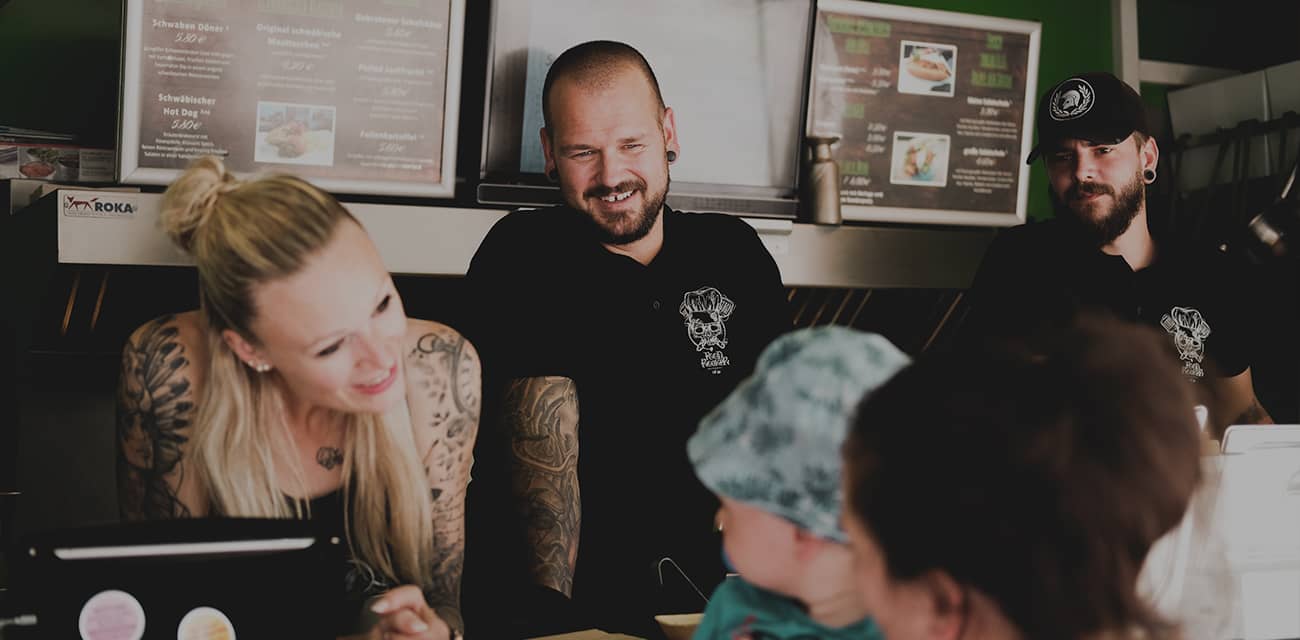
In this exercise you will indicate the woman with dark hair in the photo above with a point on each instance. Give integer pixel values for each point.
(992, 495)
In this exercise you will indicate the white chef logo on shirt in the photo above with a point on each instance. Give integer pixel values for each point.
(705, 311)
(1189, 331)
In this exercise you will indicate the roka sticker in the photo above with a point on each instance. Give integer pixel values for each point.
(96, 206)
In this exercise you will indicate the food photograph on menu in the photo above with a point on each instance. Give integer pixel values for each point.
(933, 111)
(38, 162)
(294, 134)
(357, 96)
(927, 69)
(920, 159)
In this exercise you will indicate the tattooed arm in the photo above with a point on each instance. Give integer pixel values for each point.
(161, 367)
(1236, 397)
(541, 422)
(444, 395)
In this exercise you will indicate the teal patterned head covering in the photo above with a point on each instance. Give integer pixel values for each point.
(775, 441)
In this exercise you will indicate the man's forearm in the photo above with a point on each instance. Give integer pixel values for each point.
(551, 521)
(1237, 402)
(1254, 414)
(541, 416)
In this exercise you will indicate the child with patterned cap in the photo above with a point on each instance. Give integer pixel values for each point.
(771, 453)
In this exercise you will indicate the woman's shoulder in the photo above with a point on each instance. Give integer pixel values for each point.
(185, 328)
(442, 369)
(169, 346)
(164, 363)
(437, 355)
(417, 328)
(443, 394)
(427, 340)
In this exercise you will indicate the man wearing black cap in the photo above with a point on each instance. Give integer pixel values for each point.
(1098, 253)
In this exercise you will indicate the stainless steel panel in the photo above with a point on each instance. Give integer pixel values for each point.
(442, 240)
(883, 257)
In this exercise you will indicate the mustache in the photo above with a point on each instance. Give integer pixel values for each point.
(1079, 189)
(626, 185)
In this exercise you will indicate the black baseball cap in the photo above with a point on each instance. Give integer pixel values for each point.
(1097, 107)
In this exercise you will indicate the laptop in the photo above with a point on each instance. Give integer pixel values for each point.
(1231, 569)
(184, 580)
(1258, 517)
(1240, 438)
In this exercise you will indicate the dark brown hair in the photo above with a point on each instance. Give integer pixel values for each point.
(1041, 480)
(595, 62)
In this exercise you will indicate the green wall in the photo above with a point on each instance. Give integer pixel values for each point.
(1076, 38)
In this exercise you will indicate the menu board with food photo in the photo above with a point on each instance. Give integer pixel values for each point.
(933, 111)
(63, 163)
(357, 96)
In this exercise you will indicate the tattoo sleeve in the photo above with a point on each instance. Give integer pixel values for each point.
(154, 410)
(449, 374)
(541, 418)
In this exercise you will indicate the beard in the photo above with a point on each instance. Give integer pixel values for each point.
(1111, 224)
(624, 227)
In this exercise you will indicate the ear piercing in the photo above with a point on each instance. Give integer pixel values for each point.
(1149, 175)
(260, 367)
(672, 156)
(553, 175)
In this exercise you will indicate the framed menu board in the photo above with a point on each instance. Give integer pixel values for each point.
(934, 111)
(357, 96)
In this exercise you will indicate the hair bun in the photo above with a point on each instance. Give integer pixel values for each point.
(191, 199)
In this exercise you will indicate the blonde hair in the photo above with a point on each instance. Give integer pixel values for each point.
(241, 234)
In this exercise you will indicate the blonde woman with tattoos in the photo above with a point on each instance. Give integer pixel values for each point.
(300, 389)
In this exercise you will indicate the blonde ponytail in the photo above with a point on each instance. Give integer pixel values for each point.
(190, 200)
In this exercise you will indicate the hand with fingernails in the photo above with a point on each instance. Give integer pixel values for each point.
(404, 615)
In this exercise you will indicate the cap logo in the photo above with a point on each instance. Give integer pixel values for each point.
(1071, 99)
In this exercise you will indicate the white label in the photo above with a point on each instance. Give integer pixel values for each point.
(97, 204)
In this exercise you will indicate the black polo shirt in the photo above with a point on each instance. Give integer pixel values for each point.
(1037, 277)
(651, 349)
